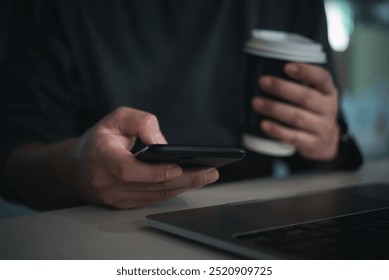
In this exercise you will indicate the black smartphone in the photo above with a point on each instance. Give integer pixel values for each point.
(191, 156)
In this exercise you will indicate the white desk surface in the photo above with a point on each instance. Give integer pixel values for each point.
(91, 232)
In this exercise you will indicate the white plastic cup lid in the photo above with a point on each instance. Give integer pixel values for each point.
(284, 45)
(267, 146)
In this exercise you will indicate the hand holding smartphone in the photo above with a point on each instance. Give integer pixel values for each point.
(191, 156)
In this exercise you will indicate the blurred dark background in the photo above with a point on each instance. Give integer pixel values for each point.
(359, 35)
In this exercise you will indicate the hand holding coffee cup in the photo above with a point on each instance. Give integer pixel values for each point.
(293, 106)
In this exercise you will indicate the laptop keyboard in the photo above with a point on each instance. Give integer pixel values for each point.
(359, 236)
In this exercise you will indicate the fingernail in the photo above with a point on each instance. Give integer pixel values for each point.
(291, 68)
(265, 125)
(173, 172)
(159, 138)
(257, 103)
(211, 176)
(266, 82)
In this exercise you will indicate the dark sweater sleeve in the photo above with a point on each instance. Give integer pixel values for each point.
(37, 85)
(349, 156)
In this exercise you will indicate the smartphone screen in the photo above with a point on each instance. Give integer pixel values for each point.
(195, 156)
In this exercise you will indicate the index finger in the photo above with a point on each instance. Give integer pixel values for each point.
(314, 75)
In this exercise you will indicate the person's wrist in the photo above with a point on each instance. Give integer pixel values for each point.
(343, 142)
(64, 165)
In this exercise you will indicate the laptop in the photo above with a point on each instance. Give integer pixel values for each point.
(346, 223)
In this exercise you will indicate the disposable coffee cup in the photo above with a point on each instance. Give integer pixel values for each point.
(267, 52)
